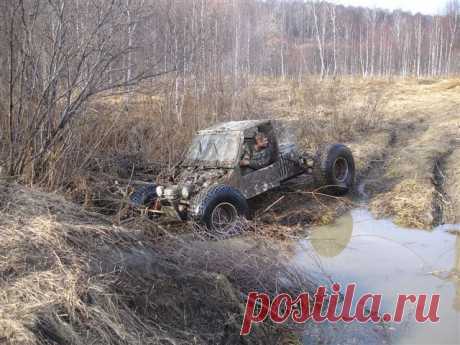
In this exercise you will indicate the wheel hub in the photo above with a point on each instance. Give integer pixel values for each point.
(340, 169)
(223, 215)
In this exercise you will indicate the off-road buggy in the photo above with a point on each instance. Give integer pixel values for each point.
(211, 188)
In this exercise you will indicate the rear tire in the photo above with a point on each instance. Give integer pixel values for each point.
(334, 169)
(218, 207)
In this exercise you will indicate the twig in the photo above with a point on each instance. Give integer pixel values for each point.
(273, 204)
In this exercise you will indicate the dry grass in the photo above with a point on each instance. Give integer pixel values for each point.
(409, 203)
(370, 149)
(69, 277)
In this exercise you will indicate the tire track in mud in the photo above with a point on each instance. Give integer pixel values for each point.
(374, 177)
(369, 176)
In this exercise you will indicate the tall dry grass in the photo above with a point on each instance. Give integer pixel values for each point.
(338, 111)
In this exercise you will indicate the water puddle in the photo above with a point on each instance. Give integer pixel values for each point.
(386, 259)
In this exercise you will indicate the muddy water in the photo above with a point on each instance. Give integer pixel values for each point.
(383, 258)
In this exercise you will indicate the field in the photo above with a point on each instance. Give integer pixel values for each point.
(73, 272)
(405, 135)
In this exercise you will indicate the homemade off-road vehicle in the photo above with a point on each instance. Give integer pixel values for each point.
(210, 187)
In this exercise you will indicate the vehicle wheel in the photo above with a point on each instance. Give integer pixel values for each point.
(143, 196)
(334, 169)
(218, 207)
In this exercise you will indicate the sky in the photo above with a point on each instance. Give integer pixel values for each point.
(414, 6)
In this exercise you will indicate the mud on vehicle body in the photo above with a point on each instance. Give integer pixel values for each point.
(210, 187)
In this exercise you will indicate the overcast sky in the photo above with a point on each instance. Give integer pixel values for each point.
(414, 6)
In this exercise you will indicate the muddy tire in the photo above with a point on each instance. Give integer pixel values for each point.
(334, 169)
(143, 196)
(218, 207)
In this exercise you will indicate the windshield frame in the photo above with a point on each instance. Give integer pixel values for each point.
(229, 164)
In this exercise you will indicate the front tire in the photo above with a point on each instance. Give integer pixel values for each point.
(334, 169)
(143, 196)
(219, 207)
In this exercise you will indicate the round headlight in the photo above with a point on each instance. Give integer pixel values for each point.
(185, 192)
(160, 191)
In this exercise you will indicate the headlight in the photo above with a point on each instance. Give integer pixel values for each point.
(186, 191)
(160, 191)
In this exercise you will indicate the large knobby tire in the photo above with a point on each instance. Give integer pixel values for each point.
(143, 196)
(334, 169)
(218, 207)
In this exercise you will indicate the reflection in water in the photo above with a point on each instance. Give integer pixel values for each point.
(383, 258)
(333, 238)
(456, 273)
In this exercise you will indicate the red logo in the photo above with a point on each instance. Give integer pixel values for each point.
(324, 304)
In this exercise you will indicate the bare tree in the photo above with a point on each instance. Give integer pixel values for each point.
(54, 71)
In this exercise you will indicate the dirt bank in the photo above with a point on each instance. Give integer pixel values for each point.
(70, 277)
